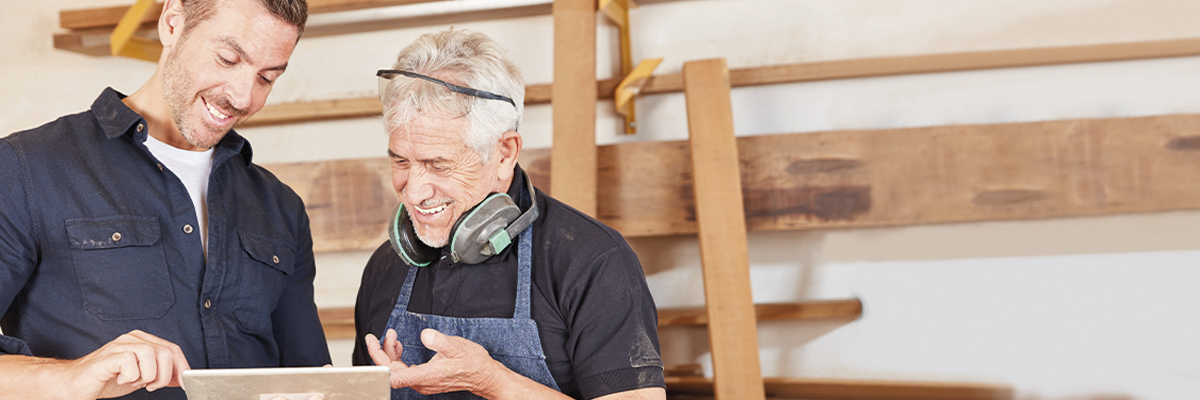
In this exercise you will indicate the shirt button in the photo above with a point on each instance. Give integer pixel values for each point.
(160, 168)
(187, 228)
(116, 237)
(141, 127)
(207, 303)
(275, 259)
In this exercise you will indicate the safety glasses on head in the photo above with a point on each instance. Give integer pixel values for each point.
(387, 75)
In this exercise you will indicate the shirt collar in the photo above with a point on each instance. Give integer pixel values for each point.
(117, 119)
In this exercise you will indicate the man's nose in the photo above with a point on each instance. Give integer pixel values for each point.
(241, 92)
(418, 188)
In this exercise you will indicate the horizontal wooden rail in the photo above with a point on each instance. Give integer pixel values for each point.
(842, 179)
(339, 322)
(791, 73)
(107, 17)
(839, 389)
(809, 310)
(90, 28)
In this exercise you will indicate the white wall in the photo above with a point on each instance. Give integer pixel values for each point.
(1082, 308)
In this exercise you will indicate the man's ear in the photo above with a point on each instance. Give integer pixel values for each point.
(170, 23)
(507, 152)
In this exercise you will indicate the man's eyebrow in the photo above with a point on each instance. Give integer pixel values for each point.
(393, 155)
(237, 48)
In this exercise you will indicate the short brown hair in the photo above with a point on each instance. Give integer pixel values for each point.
(294, 12)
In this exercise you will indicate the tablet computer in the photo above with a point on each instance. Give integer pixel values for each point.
(328, 383)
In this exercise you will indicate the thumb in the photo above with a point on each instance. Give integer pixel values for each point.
(438, 342)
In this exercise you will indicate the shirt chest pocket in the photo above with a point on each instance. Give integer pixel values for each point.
(265, 266)
(121, 266)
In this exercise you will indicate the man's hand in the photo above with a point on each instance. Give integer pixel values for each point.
(460, 364)
(130, 362)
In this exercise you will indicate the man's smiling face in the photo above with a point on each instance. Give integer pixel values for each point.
(437, 176)
(220, 72)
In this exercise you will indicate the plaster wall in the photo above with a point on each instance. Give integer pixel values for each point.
(1080, 308)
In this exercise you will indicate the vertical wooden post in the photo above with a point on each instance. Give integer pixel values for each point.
(721, 219)
(573, 158)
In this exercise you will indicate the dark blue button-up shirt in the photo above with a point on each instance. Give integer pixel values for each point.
(93, 244)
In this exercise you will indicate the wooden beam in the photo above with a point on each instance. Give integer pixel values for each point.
(779, 74)
(339, 322)
(809, 310)
(573, 159)
(841, 179)
(839, 389)
(308, 111)
(721, 221)
(108, 17)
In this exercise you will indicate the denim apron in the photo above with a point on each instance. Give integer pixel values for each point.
(513, 342)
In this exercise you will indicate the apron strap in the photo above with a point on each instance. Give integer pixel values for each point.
(525, 263)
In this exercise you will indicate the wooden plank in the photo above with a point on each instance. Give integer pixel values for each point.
(573, 160)
(308, 111)
(108, 17)
(838, 389)
(103, 17)
(808, 310)
(339, 322)
(724, 257)
(851, 179)
(778, 74)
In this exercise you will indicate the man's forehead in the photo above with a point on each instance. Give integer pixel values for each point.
(245, 26)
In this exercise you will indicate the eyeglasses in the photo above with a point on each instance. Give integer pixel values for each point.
(386, 75)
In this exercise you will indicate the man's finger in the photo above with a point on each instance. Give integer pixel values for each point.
(179, 364)
(413, 375)
(376, 353)
(391, 345)
(440, 343)
(165, 364)
(127, 367)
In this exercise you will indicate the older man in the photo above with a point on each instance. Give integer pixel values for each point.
(137, 239)
(489, 287)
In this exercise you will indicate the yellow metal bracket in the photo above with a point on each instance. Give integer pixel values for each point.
(124, 40)
(631, 85)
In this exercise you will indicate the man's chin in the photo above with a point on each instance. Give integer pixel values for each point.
(437, 244)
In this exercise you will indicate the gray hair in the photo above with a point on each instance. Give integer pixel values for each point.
(463, 58)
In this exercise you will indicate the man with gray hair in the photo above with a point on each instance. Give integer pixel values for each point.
(488, 287)
(137, 238)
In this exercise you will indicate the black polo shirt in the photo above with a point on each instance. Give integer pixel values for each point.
(596, 319)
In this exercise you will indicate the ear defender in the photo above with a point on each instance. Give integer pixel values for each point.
(483, 231)
(404, 240)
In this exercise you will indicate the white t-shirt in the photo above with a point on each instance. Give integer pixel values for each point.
(192, 167)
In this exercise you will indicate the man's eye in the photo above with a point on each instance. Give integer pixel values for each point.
(225, 61)
(438, 168)
(264, 80)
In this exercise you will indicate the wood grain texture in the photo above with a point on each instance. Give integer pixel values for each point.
(108, 17)
(724, 258)
(767, 75)
(845, 389)
(856, 179)
(339, 322)
(808, 310)
(573, 160)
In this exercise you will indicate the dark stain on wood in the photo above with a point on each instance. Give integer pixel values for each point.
(830, 203)
(823, 166)
(1185, 143)
(1008, 197)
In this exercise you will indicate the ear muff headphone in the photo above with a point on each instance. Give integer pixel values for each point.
(483, 231)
